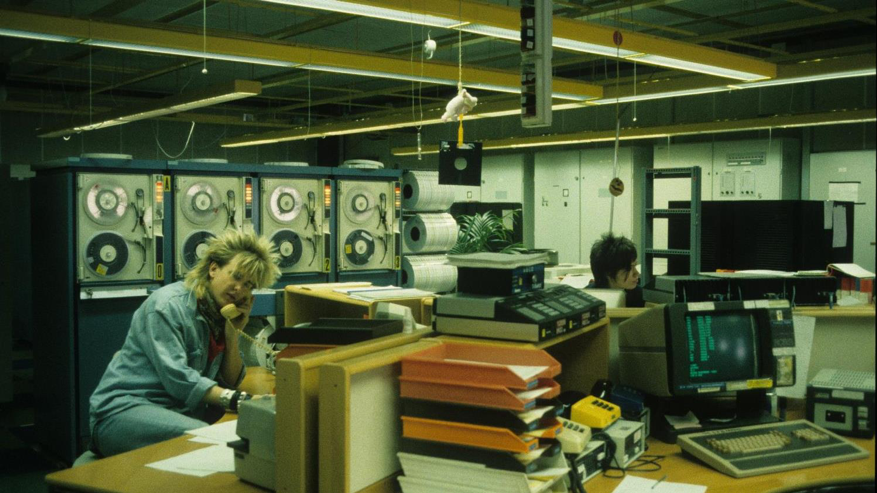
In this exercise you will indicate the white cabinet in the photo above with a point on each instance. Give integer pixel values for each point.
(502, 178)
(572, 200)
(557, 205)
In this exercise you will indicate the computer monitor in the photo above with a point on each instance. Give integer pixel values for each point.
(687, 351)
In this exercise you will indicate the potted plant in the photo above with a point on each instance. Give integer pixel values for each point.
(484, 233)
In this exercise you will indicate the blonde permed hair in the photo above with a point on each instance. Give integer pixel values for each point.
(258, 260)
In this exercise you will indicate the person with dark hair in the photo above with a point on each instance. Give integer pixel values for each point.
(613, 262)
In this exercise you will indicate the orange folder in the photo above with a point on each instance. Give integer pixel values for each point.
(473, 392)
(467, 434)
(464, 363)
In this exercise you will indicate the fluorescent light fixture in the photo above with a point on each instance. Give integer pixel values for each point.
(190, 53)
(764, 123)
(220, 93)
(702, 68)
(595, 49)
(810, 78)
(40, 36)
(660, 95)
(364, 10)
(502, 22)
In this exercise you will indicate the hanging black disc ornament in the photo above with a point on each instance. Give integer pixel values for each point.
(106, 254)
(359, 247)
(289, 246)
(616, 187)
(194, 246)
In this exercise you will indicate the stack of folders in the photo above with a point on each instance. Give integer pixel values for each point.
(480, 418)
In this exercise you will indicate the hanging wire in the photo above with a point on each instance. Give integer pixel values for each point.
(204, 34)
(460, 50)
(309, 103)
(188, 139)
(617, 124)
(634, 67)
(419, 92)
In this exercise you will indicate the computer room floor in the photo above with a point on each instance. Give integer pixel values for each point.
(22, 467)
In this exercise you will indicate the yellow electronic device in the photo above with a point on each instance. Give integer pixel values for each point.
(594, 412)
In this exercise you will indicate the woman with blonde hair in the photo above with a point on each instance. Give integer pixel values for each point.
(181, 355)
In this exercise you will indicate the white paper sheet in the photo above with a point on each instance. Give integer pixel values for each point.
(827, 214)
(682, 422)
(221, 432)
(804, 329)
(853, 270)
(200, 463)
(532, 394)
(839, 232)
(635, 484)
(524, 372)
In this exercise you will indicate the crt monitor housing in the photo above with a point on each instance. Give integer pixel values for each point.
(686, 349)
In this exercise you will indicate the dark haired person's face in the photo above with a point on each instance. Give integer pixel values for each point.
(625, 278)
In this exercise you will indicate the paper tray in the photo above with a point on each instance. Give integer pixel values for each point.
(495, 459)
(482, 363)
(492, 396)
(501, 418)
(489, 437)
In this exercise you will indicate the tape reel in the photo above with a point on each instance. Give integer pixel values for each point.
(201, 203)
(359, 247)
(195, 246)
(106, 254)
(106, 202)
(360, 205)
(289, 246)
(284, 204)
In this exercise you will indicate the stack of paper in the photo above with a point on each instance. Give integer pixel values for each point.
(206, 461)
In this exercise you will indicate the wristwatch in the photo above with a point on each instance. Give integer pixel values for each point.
(226, 398)
(238, 397)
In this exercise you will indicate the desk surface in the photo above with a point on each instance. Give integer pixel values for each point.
(126, 473)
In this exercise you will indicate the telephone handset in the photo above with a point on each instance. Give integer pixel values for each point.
(231, 311)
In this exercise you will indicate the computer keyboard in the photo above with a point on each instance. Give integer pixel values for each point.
(774, 447)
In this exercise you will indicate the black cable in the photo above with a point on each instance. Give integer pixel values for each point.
(574, 478)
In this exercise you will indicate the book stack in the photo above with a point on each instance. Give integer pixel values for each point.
(856, 284)
(480, 418)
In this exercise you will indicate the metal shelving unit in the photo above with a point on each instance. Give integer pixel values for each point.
(650, 213)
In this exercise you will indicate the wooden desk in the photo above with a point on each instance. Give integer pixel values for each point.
(681, 468)
(309, 303)
(127, 473)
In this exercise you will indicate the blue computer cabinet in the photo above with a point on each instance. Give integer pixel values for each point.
(99, 247)
(209, 196)
(295, 213)
(368, 212)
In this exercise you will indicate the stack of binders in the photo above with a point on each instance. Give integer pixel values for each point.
(480, 418)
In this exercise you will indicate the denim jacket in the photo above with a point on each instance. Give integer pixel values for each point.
(163, 361)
